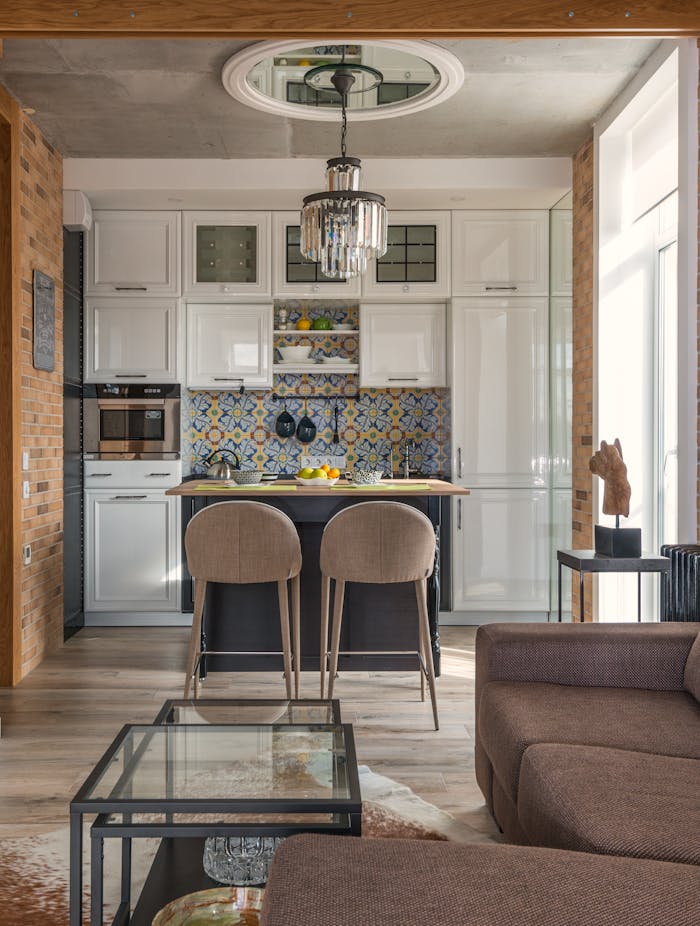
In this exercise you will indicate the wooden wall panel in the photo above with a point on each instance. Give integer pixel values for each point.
(351, 18)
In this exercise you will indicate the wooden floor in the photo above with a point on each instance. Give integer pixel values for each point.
(60, 719)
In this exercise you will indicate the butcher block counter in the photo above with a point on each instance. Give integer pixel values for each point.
(375, 617)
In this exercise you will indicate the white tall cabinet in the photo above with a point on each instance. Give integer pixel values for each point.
(500, 411)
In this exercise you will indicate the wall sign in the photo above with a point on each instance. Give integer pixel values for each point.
(44, 321)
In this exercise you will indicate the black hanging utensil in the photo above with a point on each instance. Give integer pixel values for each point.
(306, 429)
(285, 425)
(336, 436)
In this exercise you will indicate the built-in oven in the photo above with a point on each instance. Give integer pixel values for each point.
(131, 420)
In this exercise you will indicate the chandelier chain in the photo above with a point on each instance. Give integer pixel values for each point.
(344, 129)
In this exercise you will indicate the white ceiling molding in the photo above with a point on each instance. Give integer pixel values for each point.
(235, 72)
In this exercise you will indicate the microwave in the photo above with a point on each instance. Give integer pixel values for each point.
(128, 420)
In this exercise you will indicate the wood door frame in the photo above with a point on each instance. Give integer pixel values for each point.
(318, 19)
(10, 406)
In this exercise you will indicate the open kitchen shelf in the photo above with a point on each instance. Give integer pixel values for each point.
(315, 367)
(297, 332)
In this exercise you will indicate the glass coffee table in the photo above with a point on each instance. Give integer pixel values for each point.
(186, 781)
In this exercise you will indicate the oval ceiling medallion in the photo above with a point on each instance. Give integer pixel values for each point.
(270, 76)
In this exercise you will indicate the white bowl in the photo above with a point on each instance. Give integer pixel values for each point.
(316, 482)
(296, 354)
(343, 327)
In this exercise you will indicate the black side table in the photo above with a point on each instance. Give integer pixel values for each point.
(583, 561)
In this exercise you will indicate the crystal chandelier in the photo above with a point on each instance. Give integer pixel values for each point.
(344, 226)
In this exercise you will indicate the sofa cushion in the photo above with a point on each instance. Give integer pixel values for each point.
(342, 881)
(611, 801)
(691, 676)
(515, 715)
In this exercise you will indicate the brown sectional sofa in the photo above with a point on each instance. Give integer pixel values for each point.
(588, 736)
(588, 739)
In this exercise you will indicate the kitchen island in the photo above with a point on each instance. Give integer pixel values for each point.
(375, 617)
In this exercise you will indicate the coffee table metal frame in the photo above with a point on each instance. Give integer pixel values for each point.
(588, 561)
(346, 818)
(165, 714)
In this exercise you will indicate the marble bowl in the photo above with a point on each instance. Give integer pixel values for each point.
(219, 906)
(247, 477)
(297, 353)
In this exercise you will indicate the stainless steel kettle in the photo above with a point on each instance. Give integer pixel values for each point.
(222, 469)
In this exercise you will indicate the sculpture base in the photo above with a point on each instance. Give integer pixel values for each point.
(618, 541)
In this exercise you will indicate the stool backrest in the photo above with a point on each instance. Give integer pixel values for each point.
(242, 542)
(378, 542)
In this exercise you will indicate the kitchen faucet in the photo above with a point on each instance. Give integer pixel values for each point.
(408, 445)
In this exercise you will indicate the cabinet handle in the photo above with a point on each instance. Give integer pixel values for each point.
(157, 474)
(509, 289)
(97, 475)
(131, 289)
(227, 379)
(402, 379)
(459, 514)
(460, 467)
(130, 375)
(115, 498)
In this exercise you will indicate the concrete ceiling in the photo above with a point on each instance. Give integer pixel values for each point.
(164, 98)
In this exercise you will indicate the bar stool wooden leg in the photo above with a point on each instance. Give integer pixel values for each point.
(296, 632)
(284, 627)
(424, 630)
(325, 598)
(200, 592)
(422, 669)
(335, 633)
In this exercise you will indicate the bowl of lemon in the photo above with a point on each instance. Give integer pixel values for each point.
(322, 476)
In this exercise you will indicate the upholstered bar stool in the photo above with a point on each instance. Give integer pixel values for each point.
(377, 542)
(242, 542)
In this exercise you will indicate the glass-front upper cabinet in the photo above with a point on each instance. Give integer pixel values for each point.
(293, 274)
(417, 260)
(227, 253)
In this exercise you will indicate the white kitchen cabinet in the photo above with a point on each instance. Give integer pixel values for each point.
(500, 411)
(131, 339)
(497, 253)
(133, 253)
(229, 346)
(417, 261)
(132, 550)
(561, 264)
(227, 254)
(402, 345)
(501, 550)
(561, 389)
(560, 540)
(294, 275)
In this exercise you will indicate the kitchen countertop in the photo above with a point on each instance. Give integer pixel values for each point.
(284, 487)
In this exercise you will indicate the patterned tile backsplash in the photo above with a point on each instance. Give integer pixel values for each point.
(372, 423)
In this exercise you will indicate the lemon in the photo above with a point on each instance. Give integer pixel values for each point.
(306, 473)
(303, 324)
(319, 474)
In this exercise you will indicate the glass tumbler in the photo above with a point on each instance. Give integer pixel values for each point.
(240, 861)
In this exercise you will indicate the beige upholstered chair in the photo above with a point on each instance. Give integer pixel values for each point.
(377, 542)
(239, 543)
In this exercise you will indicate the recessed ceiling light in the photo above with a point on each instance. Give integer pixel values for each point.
(269, 76)
(175, 199)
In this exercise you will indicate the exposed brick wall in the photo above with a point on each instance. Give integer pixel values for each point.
(582, 429)
(41, 209)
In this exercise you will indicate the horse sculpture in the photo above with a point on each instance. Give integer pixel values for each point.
(609, 465)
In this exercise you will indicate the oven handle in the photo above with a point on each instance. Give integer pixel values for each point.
(131, 403)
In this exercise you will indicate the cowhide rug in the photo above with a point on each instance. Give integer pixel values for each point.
(34, 869)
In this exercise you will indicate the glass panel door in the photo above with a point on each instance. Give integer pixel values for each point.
(226, 253)
(668, 395)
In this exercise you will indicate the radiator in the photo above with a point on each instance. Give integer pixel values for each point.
(680, 587)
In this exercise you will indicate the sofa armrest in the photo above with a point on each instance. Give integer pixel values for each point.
(649, 656)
